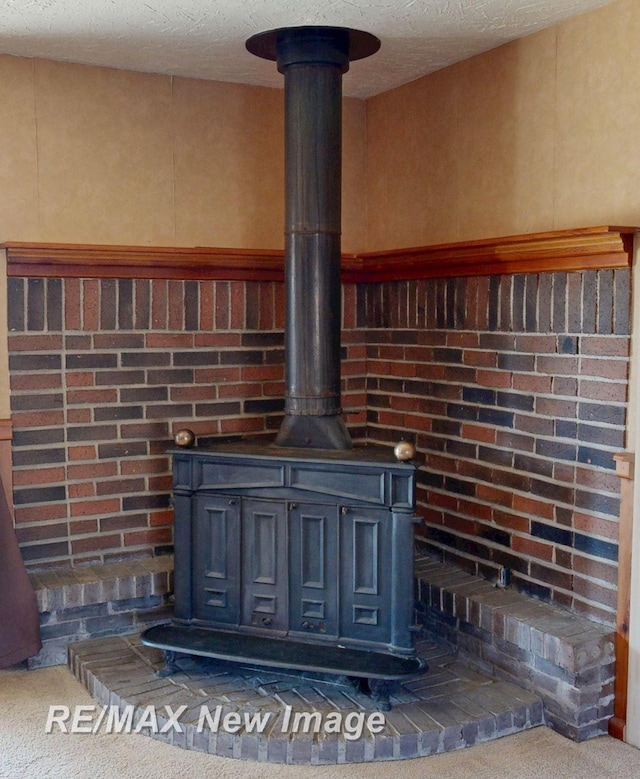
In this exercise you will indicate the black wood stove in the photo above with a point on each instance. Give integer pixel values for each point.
(299, 554)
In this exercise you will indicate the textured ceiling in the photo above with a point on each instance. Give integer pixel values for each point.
(205, 38)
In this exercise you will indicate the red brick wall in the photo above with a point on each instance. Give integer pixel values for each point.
(103, 372)
(514, 388)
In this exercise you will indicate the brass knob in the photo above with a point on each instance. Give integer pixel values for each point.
(184, 438)
(404, 450)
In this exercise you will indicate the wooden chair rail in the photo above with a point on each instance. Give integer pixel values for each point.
(590, 248)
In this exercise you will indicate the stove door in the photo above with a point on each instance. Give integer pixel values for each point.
(313, 557)
(367, 571)
(216, 559)
(264, 564)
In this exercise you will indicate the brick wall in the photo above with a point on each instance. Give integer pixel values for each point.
(515, 389)
(104, 371)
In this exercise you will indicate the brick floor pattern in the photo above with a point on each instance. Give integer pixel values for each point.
(452, 706)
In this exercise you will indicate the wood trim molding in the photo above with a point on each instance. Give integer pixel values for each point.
(590, 248)
(625, 463)
(142, 262)
(5, 430)
(587, 248)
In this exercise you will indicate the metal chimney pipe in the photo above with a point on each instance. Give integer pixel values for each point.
(312, 60)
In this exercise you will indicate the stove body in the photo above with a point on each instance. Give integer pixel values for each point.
(315, 546)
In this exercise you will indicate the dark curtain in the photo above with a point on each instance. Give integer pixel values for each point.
(19, 618)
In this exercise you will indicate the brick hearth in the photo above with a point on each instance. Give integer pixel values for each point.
(451, 707)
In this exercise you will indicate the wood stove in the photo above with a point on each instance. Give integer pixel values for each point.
(299, 553)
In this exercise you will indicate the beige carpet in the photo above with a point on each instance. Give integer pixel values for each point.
(26, 751)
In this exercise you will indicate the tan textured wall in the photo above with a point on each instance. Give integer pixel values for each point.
(536, 135)
(96, 155)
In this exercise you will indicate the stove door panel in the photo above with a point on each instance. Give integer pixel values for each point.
(366, 574)
(264, 564)
(313, 533)
(216, 556)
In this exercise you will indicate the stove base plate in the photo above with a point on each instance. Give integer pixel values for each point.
(282, 653)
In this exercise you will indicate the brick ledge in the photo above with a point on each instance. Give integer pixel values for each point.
(98, 600)
(566, 659)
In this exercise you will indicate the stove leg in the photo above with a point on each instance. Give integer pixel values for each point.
(170, 666)
(381, 690)
(349, 681)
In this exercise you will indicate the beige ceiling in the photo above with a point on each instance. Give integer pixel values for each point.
(205, 38)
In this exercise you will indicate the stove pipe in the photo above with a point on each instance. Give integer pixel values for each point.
(312, 60)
